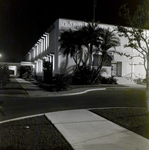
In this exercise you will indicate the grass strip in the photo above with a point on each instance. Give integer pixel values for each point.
(133, 119)
(36, 133)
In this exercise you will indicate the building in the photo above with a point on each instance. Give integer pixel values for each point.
(45, 52)
(15, 67)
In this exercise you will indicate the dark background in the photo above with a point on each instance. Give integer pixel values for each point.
(22, 22)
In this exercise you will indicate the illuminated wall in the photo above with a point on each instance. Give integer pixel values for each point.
(13, 67)
(47, 49)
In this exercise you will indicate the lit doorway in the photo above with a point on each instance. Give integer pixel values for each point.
(117, 69)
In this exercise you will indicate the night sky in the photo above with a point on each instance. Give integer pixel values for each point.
(22, 22)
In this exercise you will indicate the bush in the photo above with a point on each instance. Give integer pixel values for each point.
(26, 72)
(140, 81)
(4, 75)
(61, 82)
(84, 76)
(110, 80)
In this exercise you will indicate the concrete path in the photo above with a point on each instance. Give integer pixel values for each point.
(12, 88)
(85, 130)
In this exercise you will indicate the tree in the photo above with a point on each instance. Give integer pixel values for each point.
(70, 45)
(91, 37)
(81, 44)
(138, 36)
(109, 41)
(4, 75)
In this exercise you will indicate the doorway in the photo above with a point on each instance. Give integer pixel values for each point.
(116, 69)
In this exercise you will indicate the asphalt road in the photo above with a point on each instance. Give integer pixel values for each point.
(14, 107)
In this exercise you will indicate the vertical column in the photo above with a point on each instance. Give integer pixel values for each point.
(46, 43)
(36, 67)
(37, 49)
(28, 57)
(41, 47)
(53, 61)
(33, 52)
(57, 61)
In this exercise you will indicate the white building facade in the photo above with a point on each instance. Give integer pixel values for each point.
(46, 49)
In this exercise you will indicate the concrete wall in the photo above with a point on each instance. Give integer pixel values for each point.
(48, 47)
(14, 67)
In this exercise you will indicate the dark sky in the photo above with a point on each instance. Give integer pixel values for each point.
(22, 22)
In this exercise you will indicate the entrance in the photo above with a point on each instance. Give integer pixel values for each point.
(47, 68)
(117, 69)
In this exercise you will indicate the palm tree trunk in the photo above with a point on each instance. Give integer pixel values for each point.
(90, 54)
(77, 65)
(99, 69)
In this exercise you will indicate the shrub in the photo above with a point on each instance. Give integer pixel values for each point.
(4, 75)
(110, 80)
(61, 82)
(140, 81)
(26, 72)
(144, 80)
(85, 75)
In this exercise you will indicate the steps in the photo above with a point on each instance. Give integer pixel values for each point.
(124, 80)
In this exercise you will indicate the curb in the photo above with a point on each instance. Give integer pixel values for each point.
(68, 94)
(21, 118)
(52, 94)
(86, 91)
(14, 95)
(36, 115)
(115, 107)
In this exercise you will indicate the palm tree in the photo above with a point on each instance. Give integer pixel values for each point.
(67, 43)
(109, 40)
(91, 36)
(73, 43)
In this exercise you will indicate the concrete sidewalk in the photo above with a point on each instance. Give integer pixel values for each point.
(12, 89)
(85, 130)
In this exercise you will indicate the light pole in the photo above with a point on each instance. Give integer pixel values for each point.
(94, 9)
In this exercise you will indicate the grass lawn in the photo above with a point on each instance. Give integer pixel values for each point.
(133, 119)
(36, 133)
